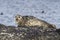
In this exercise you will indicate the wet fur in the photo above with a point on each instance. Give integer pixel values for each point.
(33, 21)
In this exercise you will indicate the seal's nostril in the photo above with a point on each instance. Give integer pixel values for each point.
(16, 18)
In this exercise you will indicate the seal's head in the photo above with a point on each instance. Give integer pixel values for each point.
(18, 18)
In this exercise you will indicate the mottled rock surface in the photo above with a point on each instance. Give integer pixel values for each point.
(28, 33)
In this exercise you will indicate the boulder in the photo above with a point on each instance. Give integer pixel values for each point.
(28, 33)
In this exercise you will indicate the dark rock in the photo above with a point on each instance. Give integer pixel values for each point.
(42, 12)
(58, 31)
(27, 33)
(1, 13)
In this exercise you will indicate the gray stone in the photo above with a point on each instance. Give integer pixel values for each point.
(27, 33)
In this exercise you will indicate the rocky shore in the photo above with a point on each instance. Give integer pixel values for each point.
(28, 33)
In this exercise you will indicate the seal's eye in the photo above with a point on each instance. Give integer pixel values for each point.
(19, 17)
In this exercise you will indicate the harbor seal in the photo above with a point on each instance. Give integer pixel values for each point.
(32, 21)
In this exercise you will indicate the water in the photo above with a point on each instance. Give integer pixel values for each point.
(10, 8)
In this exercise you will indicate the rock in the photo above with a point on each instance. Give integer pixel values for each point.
(42, 12)
(58, 31)
(27, 33)
(1, 13)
